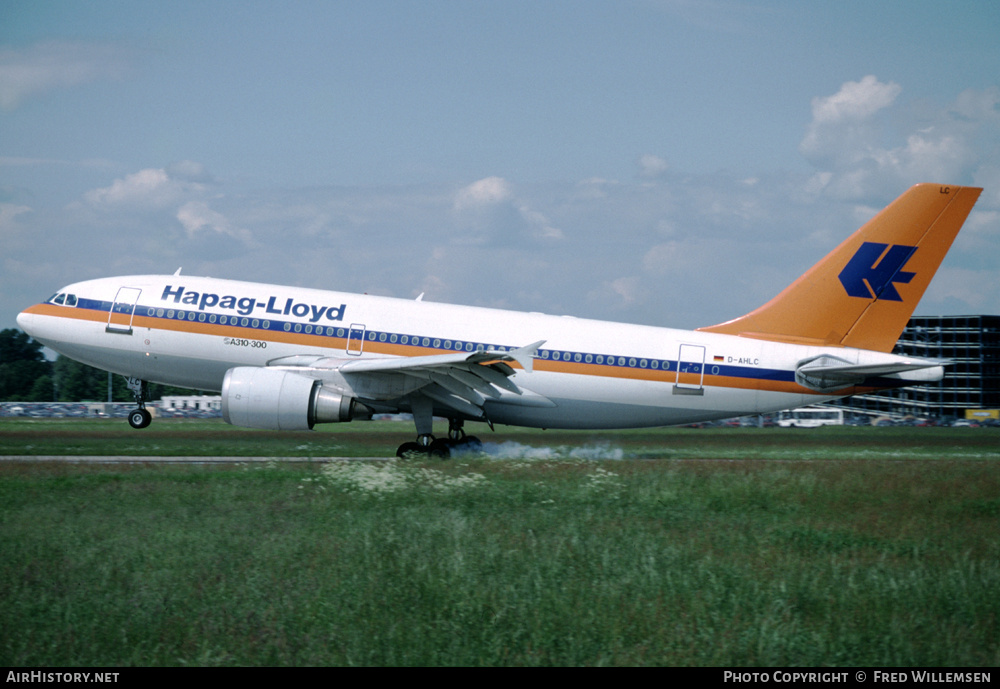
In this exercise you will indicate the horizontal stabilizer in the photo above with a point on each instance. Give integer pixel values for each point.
(827, 372)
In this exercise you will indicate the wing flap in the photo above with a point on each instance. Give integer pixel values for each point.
(459, 404)
(474, 382)
(494, 375)
(458, 388)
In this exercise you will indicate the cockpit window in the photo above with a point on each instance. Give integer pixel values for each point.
(63, 299)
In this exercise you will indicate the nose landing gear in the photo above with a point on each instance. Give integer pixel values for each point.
(139, 417)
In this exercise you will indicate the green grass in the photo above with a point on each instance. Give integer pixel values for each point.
(861, 560)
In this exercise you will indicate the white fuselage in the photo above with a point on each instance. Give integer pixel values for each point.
(188, 331)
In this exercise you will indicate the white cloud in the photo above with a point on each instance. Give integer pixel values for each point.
(651, 166)
(866, 145)
(540, 225)
(150, 188)
(145, 186)
(928, 156)
(164, 214)
(196, 216)
(856, 100)
(842, 130)
(627, 288)
(54, 64)
(485, 192)
(487, 211)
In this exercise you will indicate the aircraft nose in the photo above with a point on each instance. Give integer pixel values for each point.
(25, 321)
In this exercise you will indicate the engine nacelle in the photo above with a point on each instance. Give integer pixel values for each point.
(281, 400)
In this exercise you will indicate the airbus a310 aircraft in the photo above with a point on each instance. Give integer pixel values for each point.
(289, 358)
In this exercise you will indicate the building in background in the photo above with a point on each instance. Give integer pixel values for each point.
(970, 383)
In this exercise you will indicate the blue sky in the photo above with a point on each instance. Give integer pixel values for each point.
(668, 162)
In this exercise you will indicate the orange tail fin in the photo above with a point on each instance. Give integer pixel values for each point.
(864, 292)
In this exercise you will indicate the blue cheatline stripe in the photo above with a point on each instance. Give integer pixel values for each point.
(437, 343)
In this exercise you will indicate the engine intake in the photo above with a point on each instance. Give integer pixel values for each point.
(280, 400)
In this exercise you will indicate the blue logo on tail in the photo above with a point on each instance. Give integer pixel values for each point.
(867, 277)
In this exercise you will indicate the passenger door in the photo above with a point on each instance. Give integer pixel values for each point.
(123, 310)
(690, 370)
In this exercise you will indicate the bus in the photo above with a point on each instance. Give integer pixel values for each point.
(811, 417)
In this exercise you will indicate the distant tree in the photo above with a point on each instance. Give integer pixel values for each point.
(22, 363)
(16, 345)
(78, 382)
(41, 391)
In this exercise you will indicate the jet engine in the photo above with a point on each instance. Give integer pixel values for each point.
(281, 400)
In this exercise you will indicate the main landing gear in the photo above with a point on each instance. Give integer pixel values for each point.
(139, 417)
(441, 448)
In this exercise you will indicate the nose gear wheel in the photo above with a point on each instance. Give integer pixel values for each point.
(140, 416)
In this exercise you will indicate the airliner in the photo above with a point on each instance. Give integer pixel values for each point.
(287, 358)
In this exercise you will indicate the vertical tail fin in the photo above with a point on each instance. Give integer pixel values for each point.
(864, 292)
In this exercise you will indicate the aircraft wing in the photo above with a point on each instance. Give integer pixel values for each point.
(460, 380)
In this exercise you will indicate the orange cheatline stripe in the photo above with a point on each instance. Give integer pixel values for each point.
(390, 349)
